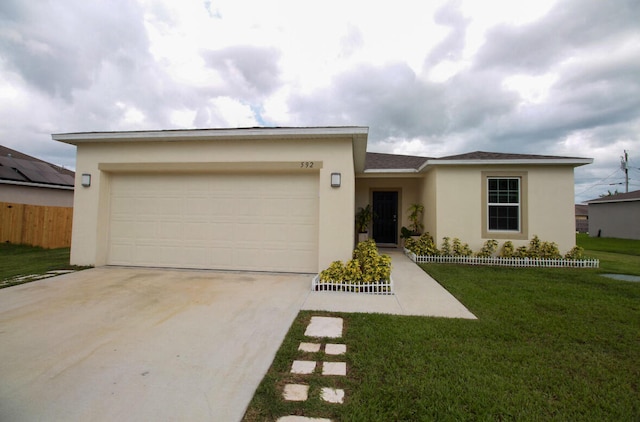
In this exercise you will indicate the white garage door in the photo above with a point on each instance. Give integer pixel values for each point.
(261, 222)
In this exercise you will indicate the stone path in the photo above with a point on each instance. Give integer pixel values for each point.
(319, 328)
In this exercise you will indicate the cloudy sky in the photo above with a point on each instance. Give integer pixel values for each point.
(428, 77)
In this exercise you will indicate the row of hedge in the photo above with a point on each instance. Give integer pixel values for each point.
(425, 245)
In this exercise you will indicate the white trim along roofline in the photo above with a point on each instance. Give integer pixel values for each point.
(35, 185)
(600, 201)
(529, 161)
(205, 134)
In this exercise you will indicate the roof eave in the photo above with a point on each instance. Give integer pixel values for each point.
(36, 185)
(390, 171)
(476, 162)
(207, 134)
(608, 201)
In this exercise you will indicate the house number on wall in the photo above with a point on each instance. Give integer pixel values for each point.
(306, 164)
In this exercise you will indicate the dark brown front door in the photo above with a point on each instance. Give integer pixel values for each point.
(385, 217)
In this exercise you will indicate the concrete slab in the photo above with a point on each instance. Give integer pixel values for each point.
(301, 419)
(335, 349)
(324, 327)
(416, 293)
(332, 395)
(141, 344)
(303, 367)
(296, 392)
(334, 368)
(309, 347)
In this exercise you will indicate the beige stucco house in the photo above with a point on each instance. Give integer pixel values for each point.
(615, 216)
(283, 199)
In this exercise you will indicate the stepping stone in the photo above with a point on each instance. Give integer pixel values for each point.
(303, 367)
(332, 395)
(296, 392)
(334, 368)
(301, 419)
(309, 347)
(335, 349)
(324, 327)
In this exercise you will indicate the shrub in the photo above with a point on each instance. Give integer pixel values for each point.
(334, 272)
(445, 250)
(488, 249)
(521, 252)
(424, 245)
(367, 266)
(460, 249)
(508, 250)
(576, 253)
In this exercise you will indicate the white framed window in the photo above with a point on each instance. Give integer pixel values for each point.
(504, 204)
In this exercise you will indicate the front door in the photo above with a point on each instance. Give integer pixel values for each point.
(385, 217)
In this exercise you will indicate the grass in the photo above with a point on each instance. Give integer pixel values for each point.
(620, 256)
(549, 344)
(22, 260)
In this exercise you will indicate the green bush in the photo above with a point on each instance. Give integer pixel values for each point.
(367, 266)
(576, 253)
(423, 246)
(508, 251)
(488, 249)
(445, 250)
(460, 249)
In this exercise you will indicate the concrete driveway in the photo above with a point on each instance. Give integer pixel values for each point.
(141, 344)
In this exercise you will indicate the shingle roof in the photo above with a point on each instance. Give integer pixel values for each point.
(376, 160)
(18, 167)
(581, 209)
(619, 197)
(483, 155)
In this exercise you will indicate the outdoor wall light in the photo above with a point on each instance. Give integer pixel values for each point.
(86, 180)
(335, 180)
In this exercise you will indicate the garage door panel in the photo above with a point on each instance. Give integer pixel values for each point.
(264, 222)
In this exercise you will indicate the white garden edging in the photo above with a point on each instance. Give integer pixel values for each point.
(504, 262)
(384, 287)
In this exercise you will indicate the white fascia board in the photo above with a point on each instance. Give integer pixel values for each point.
(206, 134)
(390, 171)
(35, 185)
(544, 161)
(599, 201)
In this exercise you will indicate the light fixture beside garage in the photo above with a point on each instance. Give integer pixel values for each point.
(86, 180)
(335, 180)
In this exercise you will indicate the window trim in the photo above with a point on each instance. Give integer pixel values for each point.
(522, 232)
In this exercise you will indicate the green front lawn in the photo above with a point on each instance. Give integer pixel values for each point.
(22, 260)
(549, 344)
(621, 256)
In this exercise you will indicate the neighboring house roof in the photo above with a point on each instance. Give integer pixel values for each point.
(619, 197)
(22, 169)
(376, 160)
(581, 209)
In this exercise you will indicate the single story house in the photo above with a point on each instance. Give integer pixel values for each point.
(582, 218)
(28, 180)
(284, 199)
(615, 216)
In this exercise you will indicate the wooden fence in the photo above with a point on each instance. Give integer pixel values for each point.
(48, 227)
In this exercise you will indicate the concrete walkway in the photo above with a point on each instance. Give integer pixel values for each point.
(131, 344)
(416, 293)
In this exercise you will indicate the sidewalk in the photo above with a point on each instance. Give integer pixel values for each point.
(416, 293)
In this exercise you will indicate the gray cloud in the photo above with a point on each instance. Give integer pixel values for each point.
(69, 58)
(570, 27)
(250, 72)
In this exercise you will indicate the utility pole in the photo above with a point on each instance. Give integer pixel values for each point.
(624, 165)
